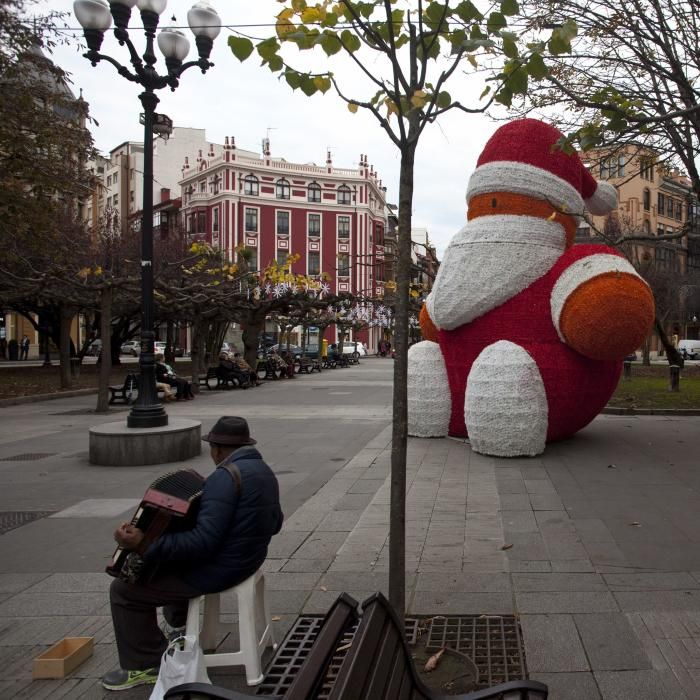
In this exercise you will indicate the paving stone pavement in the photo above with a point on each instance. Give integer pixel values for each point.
(593, 545)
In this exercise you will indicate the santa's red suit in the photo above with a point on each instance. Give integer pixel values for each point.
(526, 332)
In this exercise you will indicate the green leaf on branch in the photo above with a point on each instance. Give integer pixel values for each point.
(322, 84)
(504, 96)
(536, 67)
(350, 41)
(468, 12)
(444, 100)
(509, 7)
(308, 85)
(496, 22)
(560, 41)
(510, 46)
(517, 82)
(268, 48)
(241, 47)
(330, 43)
(293, 78)
(276, 63)
(485, 92)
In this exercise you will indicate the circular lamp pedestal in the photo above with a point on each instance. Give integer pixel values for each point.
(116, 445)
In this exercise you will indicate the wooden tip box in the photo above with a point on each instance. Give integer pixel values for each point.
(63, 657)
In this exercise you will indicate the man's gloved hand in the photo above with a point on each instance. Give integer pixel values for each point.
(129, 537)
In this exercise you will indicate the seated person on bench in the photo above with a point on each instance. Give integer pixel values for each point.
(246, 369)
(228, 370)
(239, 512)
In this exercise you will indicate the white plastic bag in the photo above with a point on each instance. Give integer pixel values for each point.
(182, 662)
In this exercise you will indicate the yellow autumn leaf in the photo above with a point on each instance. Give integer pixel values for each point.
(419, 99)
(84, 272)
(312, 14)
(98, 271)
(391, 107)
(352, 106)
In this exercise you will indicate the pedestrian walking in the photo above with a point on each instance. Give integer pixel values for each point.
(24, 348)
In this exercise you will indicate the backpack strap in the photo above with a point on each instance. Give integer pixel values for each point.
(235, 473)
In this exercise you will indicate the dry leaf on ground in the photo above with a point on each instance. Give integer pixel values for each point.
(432, 662)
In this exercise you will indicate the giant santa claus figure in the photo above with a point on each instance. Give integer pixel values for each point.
(525, 332)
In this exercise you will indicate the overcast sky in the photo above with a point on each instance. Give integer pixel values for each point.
(245, 100)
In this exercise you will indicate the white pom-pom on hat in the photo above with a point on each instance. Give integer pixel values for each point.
(603, 200)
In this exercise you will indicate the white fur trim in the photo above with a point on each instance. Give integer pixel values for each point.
(489, 261)
(506, 406)
(581, 271)
(604, 199)
(521, 178)
(429, 403)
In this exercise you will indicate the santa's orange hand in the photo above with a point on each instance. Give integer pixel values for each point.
(608, 317)
(428, 328)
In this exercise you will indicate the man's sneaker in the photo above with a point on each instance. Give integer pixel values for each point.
(123, 680)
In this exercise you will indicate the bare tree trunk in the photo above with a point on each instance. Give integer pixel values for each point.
(399, 436)
(66, 316)
(674, 357)
(251, 334)
(646, 350)
(197, 354)
(106, 364)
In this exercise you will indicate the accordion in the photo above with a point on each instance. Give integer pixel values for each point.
(170, 504)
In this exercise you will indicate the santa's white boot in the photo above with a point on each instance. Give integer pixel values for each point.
(506, 405)
(429, 403)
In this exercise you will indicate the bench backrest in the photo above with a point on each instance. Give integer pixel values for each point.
(378, 665)
(131, 382)
(309, 680)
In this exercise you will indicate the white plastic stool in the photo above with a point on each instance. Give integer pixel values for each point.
(254, 627)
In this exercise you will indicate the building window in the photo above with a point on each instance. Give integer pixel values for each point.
(282, 189)
(646, 226)
(679, 210)
(215, 220)
(115, 200)
(201, 222)
(203, 186)
(282, 223)
(646, 198)
(314, 263)
(343, 265)
(314, 224)
(132, 196)
(621, 166)
(669, 207)
(253, 262)
(251, 186)
(660, 230)
(251, 220)
(282, 256)
(343, 227)
(344, 195)
(646, 169)
(661, 204)
(314, 192)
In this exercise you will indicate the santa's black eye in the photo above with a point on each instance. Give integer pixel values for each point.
(493, 202)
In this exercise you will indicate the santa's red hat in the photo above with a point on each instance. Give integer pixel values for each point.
(522, 157)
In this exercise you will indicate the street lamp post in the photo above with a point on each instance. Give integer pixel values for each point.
(95, 16)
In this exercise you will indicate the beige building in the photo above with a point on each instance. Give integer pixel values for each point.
(654, 200)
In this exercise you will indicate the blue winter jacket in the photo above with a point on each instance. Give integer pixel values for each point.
(229, 540)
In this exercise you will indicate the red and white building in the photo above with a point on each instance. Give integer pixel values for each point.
(333, 218)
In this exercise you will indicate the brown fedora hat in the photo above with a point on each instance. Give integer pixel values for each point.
(230, 430)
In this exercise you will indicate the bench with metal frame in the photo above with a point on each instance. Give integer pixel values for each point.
(307, 365)
(126, 392)
(378, 665)
(310, 677)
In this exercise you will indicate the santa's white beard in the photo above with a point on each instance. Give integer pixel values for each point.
(489, 261)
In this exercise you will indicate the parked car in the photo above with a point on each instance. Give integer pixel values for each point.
(350, 347)
(159, 347)
(131, 347)
(294, 349)
(689, 349)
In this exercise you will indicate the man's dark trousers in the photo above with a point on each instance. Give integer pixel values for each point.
(140, 642)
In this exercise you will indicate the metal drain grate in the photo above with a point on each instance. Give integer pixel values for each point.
(293, 651)
(13, 520)
(494, 642)
(27, 457)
